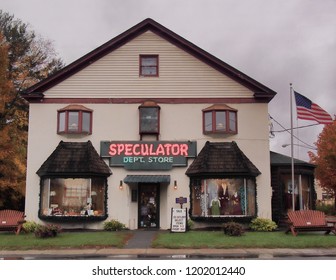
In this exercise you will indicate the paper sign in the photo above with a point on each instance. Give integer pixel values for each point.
(178, 220)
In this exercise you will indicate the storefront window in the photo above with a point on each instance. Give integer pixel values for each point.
(73, 197)
(301, 196)
(223, 197)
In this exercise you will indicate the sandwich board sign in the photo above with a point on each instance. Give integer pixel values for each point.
(178, 220)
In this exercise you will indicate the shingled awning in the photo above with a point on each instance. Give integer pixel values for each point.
(74, 159)
(147, 179)
(224, 159)
(282, 160)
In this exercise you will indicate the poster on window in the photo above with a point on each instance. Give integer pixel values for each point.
(178, 220)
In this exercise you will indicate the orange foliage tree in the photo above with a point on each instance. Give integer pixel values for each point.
(25, 59)
(325, 159)
(12, 162)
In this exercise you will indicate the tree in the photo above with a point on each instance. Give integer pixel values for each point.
(325, 159)
(25, 59)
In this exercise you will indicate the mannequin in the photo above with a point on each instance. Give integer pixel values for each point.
(215, 205)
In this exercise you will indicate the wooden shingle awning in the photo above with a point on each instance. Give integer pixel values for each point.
(147, 179)
(222, 159)
(74, 159)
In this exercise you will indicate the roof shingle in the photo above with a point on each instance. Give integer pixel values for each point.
(222, 158)
(74, 158)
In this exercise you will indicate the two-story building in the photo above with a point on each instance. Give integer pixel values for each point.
(142, 123)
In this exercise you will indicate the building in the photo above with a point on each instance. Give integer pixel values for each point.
(304, 195)
(145, 123)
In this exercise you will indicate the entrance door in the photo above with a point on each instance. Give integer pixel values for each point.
(148, 203)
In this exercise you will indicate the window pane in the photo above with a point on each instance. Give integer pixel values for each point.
(86, 122)
(208, 121)
(250, 197)
(68, 197)
(45, 197)
(221, 197)
(148, 71)
(232, 121)
(197, 197)
(98, 196)
(61, 122)
(148, 61)
(220, 121)
(73, 197)
(73, 121)
(149, 66)
(149, 121)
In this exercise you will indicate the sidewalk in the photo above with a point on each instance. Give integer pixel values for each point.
(139, 247)
(150, 253)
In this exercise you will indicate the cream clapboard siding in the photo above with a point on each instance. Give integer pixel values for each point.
(117, 75)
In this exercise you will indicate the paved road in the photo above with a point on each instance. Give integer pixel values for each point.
(139, 247)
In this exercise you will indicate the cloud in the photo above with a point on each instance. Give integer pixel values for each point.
(275, 42)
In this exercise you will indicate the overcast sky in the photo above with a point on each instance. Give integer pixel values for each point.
(276, 42)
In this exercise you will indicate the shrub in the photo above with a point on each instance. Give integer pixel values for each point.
(261, 224)
(29, 226)
(113, 225)
(44, 231)
(328, 209)
(190, 224)
(233, 229)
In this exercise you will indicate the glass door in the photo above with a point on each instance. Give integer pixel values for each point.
(148, 204)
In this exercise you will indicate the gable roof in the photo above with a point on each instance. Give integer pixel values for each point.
(282, 160)
(74, 158)
(222, 158)
(260, 91)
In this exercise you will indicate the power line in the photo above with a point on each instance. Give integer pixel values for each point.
(288, 130)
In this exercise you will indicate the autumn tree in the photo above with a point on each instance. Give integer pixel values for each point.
(25, 59)
(325, 159)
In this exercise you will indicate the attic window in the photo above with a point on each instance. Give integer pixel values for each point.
(74, 119)
(219, 119)
(149, 65)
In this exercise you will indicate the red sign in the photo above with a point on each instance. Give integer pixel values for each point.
(142, 155)
(146, 149)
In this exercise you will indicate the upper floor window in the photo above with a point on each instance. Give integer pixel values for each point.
(219, 119)
(149, 65)
(149, 122)
(75, 119)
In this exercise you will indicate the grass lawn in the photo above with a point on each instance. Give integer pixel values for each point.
(166, 239)
(217, 239)
(25, 241)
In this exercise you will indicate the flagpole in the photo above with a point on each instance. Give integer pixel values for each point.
(292, 146)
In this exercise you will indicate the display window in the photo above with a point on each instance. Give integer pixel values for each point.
(301, 197)
(223, 197)
(73, 197)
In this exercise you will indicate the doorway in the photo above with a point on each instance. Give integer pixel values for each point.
(148, 206)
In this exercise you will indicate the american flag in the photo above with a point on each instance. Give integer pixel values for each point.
(307, 110)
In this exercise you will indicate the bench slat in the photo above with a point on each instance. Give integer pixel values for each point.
(307, 220)
(11, 220)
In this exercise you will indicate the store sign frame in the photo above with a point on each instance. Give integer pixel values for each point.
(178, 220)
(148, 155)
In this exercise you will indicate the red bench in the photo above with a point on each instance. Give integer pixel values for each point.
(11, 220)
(308, 220)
